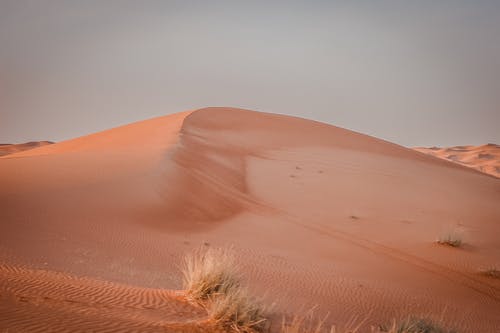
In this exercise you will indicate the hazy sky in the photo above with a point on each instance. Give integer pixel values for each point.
(411, 72)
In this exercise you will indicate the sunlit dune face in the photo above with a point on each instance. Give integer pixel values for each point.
(485, 158)
(6, 149)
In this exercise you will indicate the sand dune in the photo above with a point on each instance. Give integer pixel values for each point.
(92, 230)
(61, 302)
(485, 158)
(7, 148)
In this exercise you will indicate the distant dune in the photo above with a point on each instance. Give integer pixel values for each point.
(93, 230)
(6, 148)
(485, 158)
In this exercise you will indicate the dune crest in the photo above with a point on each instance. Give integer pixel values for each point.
(197, 166)
(485, 158)
(6, 149)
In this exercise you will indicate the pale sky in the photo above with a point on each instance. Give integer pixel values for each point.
(411, 72)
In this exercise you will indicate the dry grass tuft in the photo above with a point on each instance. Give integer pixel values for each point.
(209, 271)
(303, 324)
(237, 310)
(492, 273)
(212, 279)
(308, 324)
(413, 325)
(451, 238)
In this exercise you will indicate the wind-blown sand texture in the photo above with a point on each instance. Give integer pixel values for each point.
(485, 158)
(93, 230)
(6, 148)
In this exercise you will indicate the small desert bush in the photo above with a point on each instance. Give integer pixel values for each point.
(492, 273)
(413, 325)
(237, 310)
(212, 278)
(303, 324)
(209, 271)
(450, 238)
(308, 324)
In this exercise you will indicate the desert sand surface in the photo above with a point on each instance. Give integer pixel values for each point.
(93, 230)
(485, 158)
(7, 148)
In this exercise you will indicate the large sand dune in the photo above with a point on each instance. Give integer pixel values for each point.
(6, 149)
(485, 158)
(92, 230)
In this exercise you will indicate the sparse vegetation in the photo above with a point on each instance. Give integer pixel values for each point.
(211, 278)
(492, 273)
(450, 238)
(304, 324)
(208, 272)
(237, 310)
(413, 325)
(308, 324)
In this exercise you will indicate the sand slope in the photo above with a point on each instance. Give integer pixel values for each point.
(6, 149)
(60, 302)
(485, 158)
(318, 215)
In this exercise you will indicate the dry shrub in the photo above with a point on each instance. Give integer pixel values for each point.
(450, 238)
(212, 278)
(308, 324)
(237, 310)
(303, 324)
(413, 325)
(491, 272)
(209, 271)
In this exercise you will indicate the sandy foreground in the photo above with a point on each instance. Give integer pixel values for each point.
(93, 230)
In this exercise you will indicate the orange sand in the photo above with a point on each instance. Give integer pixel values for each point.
(484, 158)
(92, 230)
(6, 149)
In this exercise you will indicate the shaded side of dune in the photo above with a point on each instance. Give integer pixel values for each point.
(200, 166)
